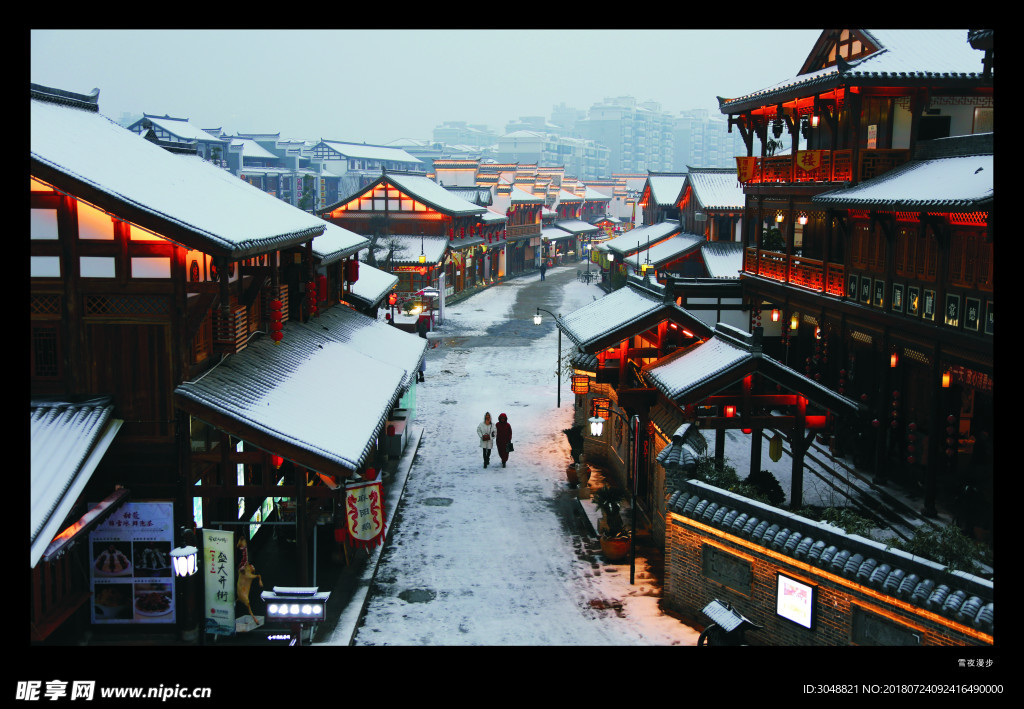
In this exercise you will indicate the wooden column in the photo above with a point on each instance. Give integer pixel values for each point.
(798, 445)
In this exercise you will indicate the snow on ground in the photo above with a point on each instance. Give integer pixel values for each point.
(480, 556)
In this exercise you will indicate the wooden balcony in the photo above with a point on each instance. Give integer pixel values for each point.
(835, 166)
(808, 274)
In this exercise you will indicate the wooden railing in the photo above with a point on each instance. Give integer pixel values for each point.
(798, 271)
(835, 166)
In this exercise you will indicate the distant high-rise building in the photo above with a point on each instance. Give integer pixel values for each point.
(704, 140)
(639, 135)
(462, 133)
(585, 159)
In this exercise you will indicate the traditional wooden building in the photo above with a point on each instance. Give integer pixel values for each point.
(712, 203)
(152, 271)
(401, 204)
(659, 197)
(888, 291)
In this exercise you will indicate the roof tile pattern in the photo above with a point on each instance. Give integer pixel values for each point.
(961, 597)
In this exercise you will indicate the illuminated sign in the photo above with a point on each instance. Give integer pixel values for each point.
(795, 601)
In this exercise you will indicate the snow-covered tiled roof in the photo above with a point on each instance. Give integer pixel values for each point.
(670, 249)
(428, 191)
(519, 197)
(181, 128)
(252, 149)
(372, 285)
(66, 442)
(665, 188)
(626, 243)
(678, 373)
(493, 217)
(592, 195)
(962, 182)
(408, 248)
(564, 196)
(613, 311)
(206, 207)
(716, 188)
(576, 226)
(321, 391)
(554, 233)
(905, 57)
(723, 259)
(336, 243)
(370, 152)
(373, 338)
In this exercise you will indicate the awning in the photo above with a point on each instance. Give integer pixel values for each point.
(68, 439)
(320, 398)
(622, 313)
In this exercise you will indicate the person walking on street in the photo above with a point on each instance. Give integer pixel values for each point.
(503, 438)
(486, 432)
(543, 268)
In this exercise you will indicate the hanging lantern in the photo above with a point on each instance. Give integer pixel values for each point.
(580, 384)
(894, 360)
(945, 379)
(794, 322)
(730, 411)
(776, 314)
(277, 461)
(747, 430)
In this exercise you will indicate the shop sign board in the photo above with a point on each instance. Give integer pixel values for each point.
(219, 581)
(130, 566)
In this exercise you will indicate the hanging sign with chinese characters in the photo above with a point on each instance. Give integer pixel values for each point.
(131, 565)
(219, 581)
(809, 159)
(746, 168)
(364, 514)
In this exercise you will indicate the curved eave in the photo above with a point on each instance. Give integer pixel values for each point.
(831, 82)
(167, 226)
(903, 205)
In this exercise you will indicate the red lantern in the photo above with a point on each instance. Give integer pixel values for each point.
(277, 336)
(277, 461)
(747, 430)
(730, 411)
(393, 299)
(875, 423)
(911, 459)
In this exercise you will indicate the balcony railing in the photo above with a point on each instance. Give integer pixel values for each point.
(834, 166)
(809, 274)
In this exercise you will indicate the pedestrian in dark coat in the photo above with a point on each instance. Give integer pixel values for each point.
(486, 432)
(543, 268)
(504, 437)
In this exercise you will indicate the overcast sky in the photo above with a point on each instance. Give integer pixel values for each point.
(381, 85)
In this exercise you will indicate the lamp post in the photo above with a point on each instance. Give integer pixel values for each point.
(185, 562)
(633, 426)
(558, 363)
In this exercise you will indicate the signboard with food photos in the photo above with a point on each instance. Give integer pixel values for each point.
(130, 565)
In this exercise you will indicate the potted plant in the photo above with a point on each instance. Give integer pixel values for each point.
(575, 436)
(614, 537)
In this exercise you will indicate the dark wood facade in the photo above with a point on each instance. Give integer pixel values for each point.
(865, 285)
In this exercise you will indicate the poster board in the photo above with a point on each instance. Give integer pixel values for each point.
(130, 566)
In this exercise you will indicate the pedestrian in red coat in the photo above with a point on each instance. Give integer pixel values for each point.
(504, 438)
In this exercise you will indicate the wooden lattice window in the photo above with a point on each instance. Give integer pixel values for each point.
(45, 351)
(963, 258)
(867, 251)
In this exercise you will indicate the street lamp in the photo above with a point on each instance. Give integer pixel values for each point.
(558, 363)
(296, 606)
(633, 426)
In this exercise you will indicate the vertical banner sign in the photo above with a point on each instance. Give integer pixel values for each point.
(746, 168)
(219, 581)
(130, 565)
(364, 513)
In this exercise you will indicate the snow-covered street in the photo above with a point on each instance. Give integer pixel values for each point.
(481, 556)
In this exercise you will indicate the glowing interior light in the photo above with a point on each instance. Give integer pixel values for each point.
(294, 609)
